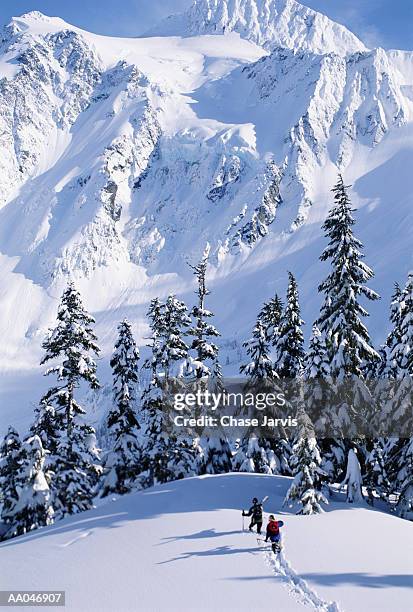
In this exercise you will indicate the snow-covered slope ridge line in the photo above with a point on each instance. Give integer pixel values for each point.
(269, 23)
(192, 527)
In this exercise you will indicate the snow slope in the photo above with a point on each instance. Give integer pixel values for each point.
(180, 546)
(122, 157)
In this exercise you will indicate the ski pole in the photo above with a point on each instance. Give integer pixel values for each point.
(243, 521)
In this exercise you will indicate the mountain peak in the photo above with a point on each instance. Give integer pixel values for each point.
(35, 16)
(268, 23)
(37, 22)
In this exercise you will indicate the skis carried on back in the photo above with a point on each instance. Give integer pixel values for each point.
(264, 499)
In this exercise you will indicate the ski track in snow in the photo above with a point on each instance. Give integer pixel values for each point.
(83, 535)
(297, 586)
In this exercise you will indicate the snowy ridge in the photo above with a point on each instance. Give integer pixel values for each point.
(192, 527)
(269, 23)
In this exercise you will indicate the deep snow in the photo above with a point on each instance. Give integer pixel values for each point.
(180, 546)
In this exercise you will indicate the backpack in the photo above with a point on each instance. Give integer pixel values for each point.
(273, 528)
(256, 511)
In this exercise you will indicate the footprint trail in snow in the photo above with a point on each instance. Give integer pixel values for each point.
(298, 587)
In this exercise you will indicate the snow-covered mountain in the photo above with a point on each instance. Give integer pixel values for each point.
(121, 158)
(179, 546)
(269, 23)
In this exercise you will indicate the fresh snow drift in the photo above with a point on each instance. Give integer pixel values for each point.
(123, 157)
(180, 546)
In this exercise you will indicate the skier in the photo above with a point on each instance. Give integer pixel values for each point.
(255, 512)
(273, 533)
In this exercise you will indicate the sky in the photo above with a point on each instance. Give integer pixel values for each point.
(385, 23)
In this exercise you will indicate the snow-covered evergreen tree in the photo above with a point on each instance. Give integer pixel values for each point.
(353, 479)
(215, 454)
(206, 352)
(376, 479)
(155, 440)
(74, 457)
(173, 323)
(121, 465)
(32, 508)
(387, 367)
(316, 364)
(333, 454)
(256, 454)
(308, 477)
(214, 450)
(397, 409)
(290, 344)
(318, 399)
(11, 456)
(165, 456)
(70, 344)
(402, 333)
(270, 317)
(251, 456)
(260, 367)
(75, 472)
(394, 465)
(404, 506)
(49, 423)
(348, 340)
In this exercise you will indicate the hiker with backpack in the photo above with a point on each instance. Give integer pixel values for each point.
(273, 533)
(255, 512)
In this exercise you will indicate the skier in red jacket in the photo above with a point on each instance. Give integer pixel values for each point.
(273, 533)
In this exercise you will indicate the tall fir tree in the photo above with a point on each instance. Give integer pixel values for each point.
(308, 477)
(399, 460)
(260, 367)
(270, 317)
(290, 344)
(215, 454)
(32, 508)
(376, 479)
(349, 348)
(206, 352)
(11, 456)
(397, 407)
(165, 456)
(348, 341)
(404, 507)
(173, 326)
(74, 457)
(316, 365)
(318, 397)
(387, 366)
(402, 334)
(257, 454)
(122, 463)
